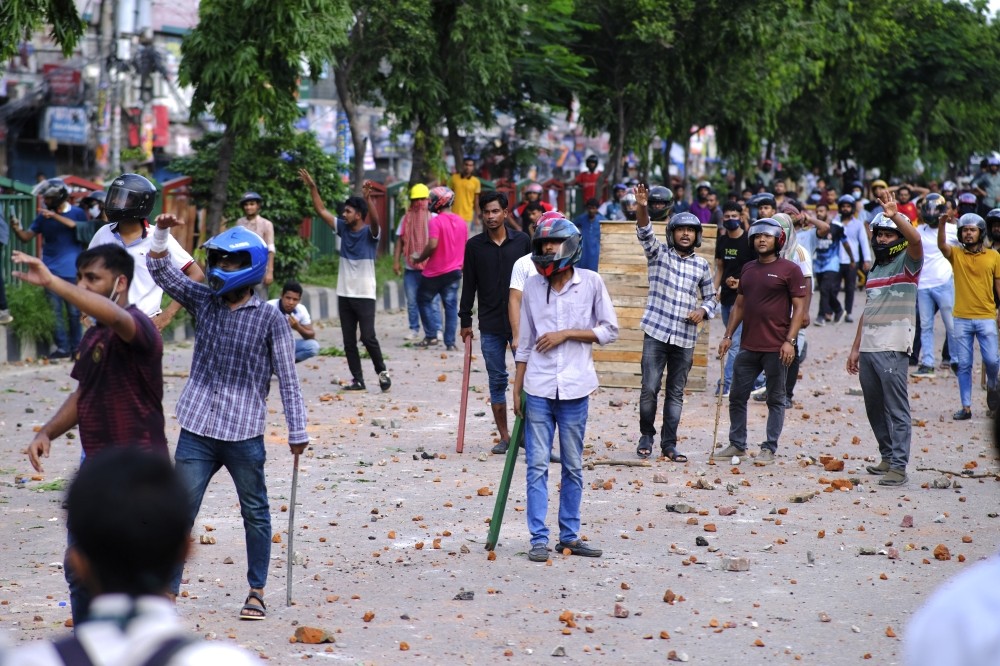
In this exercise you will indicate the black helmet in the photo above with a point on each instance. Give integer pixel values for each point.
(53, 188)
(251, 196)
(684, 220)
(758, 200)
(663, 199)
(97, 196)
(933, 208)
(993, 218)
(770, 227)
(130, 197)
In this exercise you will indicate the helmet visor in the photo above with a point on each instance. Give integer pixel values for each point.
(771, 229)
(121, 198)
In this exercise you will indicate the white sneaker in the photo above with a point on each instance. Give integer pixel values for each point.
(414, 336)
(5, 317)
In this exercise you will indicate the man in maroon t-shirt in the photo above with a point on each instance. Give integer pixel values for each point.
(119, 399)
(770, 302)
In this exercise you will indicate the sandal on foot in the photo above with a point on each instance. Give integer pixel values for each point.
(673, 455)
(645, 448)
(252, 611)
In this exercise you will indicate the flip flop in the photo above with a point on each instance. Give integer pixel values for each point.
(251, 611)
(674, 456)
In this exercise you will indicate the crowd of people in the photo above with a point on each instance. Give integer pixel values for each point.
(530, 277)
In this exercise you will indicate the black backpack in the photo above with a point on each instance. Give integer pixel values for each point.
(72, 652)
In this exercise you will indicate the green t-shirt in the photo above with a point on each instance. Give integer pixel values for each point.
(891, 311)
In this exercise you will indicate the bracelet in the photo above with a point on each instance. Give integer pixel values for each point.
(160, 238)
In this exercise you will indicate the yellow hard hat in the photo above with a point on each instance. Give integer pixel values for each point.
(419, 191)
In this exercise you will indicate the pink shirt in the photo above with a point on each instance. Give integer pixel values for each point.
(451, 232)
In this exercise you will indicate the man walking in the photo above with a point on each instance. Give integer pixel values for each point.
(411, 236)
(936, 289)
(855, 247)
(732, 252)
(681, 296)
(880, 353)
(466, 188)
(564, 311)
(356, 288)
(486, 271)
(770, 302)
(589, 224)
(240, 343)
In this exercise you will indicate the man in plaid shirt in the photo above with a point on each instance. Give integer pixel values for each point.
(681, 295)
(239, 343)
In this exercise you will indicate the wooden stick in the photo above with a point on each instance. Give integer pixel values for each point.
(466, 369)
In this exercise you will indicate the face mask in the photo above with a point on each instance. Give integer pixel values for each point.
(731, 225)
(94, 211)
(856, 194)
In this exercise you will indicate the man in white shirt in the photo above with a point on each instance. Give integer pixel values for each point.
(859, 248)
(564, 310)
(298, 318)
(936, 288)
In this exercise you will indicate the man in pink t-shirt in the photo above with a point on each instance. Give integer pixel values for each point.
(444, 253)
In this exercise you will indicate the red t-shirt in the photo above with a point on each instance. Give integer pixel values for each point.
(121, 388)
(589, 182)
(767, 291)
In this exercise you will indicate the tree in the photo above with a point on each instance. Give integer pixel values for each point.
(245, 60)
(20, 18)
(268, 164)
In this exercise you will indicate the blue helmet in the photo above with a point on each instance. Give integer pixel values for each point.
(557, 228)
(252, 252)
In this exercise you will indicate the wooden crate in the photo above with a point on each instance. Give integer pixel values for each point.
(623, 268)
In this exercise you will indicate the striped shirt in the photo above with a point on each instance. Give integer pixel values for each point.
(674, 285)
(235, 354)
(891, 309)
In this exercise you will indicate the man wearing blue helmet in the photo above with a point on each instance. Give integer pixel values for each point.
(240, 343)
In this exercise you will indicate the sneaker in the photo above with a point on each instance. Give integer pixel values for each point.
(427, 342)
(954, 367)
(925, 371)
(962, 415)
(500, 448)
(5, 317)
(579, 548)
(725, 390)
(59, 354)
(383, 381)
(849, 319)
(894, 477)
(820, 322)
(729, 452)
(355, 385)
(760, 395)
(765, 457)
(992, 399)
(837, 317)
(878, 469)
(451, 348)
(945, 365)
(539, 553)
(414, 336)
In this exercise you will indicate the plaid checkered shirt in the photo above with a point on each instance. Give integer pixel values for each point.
(674, 285)
(235, 354)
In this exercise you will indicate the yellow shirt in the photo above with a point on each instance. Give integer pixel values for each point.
(466, 190)
(974, 275)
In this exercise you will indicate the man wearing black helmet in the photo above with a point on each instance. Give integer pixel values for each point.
(56, 222)
(854, 247)
(251, 203)
(880, 353)
(770, 303)
(936, 289)
(987, 184)
(977, 278)
(587, 180)
(681, 296)
(564, 310)
(129, 202)
(240, 343)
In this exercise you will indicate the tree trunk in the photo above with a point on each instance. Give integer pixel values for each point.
(455, 142)
(420, 170)
(217, 204)
(618, 146)
(340, 77)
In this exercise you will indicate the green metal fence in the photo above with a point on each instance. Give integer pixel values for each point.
(16, 202)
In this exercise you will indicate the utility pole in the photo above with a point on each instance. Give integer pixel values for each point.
(105, 41)
(114, 97)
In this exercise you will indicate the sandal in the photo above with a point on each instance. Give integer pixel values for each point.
(673, 455)
(645, 448)
(251, 611)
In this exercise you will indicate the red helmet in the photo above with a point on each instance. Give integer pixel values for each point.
(570, 251)
(551, 215)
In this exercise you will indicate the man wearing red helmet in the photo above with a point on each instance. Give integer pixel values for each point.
(564, 310)
(532, 194)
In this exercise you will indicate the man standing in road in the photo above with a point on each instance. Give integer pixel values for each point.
(854, 247)
(466, 188)
(486, 270)
(770, 302)
(885, 336)
(251, 203)
(681, 296)
(240, 343)
(936, 289)
(732, 252)
(564, 311)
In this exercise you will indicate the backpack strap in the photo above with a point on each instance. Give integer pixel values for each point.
(72, 652)
(168, 649)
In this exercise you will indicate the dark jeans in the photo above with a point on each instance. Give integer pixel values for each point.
(748, 365)
(3, 289)
(849, 276)
(656, 355)
(887, 402)
(446, 287)
(79, 596)
(355, 312)
(829, 285)
(64, 342)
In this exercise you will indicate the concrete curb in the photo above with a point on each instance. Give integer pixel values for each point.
(320, 301)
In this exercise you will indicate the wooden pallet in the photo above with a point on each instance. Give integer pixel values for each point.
(623, 268)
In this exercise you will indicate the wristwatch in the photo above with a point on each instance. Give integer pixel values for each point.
(791, 342)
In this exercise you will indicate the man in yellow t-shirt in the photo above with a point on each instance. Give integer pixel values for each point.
(977, 274)
(466, 188)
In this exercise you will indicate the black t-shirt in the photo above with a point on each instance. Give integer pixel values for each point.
(734, 253)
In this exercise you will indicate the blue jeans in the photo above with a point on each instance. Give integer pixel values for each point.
(197, 459)
(64, 342)
(305, 349)
(967, 330)
(446, 286)
(655, 356)
(541, 417)
(411, 283)
(494, 349)
(734, 349)
(928, 300)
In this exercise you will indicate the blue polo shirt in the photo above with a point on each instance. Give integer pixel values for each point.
(60, 247)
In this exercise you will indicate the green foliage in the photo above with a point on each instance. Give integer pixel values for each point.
(269, 166)
(33, 318)
(20, 18)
